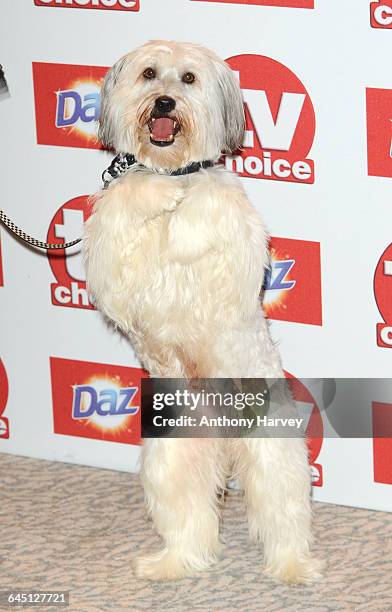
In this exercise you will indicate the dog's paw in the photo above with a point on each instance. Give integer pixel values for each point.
(163, 565)
(296, 571)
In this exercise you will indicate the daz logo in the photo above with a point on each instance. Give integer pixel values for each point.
(67, 104)
(293, 283)
(283, 3)
(114, 5)
(4, 425)
(280, 122)
(309, 410)
(381, 14)
(383, 296)
(379, 131)
(94, 400)
(67, 224)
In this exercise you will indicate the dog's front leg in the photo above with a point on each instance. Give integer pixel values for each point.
(181, 479)
(117, 235)
(276, 479)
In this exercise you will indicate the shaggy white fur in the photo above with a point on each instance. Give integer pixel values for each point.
(177, 263)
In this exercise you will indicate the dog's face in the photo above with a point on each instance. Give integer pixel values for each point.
(170, 104)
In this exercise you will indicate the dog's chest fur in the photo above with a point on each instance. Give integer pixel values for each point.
(174, 257)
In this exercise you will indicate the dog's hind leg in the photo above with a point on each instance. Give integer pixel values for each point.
(181, 479)
(276, 477)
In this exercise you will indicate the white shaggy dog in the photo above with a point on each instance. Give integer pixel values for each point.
(177, 262)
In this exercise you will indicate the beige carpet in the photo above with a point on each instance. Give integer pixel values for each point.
(76, 528)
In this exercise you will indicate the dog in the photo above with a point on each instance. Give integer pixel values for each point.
(175, 256)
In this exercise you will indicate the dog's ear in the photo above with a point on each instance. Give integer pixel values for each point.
(107, 116)
(232, 106)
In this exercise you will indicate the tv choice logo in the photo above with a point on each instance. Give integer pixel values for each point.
(381, 14)
(114, 5)
(292, 286)
(4, 423)
(96, 400)
(309, 409)
(382, 446)
(280, 122)
(379, 131)
(383, 297)
(309, 4)
(67, 224)
(67, 104)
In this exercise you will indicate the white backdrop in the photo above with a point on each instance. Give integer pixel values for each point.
(324, 70)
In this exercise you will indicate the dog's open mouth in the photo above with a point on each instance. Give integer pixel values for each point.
(163, 130)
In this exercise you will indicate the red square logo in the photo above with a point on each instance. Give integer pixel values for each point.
(96, 400)
(67, 104)
(293, 285)
(381, 14)
(379, 131)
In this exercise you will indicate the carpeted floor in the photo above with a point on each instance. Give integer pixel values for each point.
(75, 528)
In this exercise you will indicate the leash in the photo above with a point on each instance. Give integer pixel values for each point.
(33, 241)
(120, 164)
(4, 93)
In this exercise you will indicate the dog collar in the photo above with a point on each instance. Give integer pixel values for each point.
(123, 161)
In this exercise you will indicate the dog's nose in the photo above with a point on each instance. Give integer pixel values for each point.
(165, 104)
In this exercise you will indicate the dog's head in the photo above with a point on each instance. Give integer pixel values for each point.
(170, 104)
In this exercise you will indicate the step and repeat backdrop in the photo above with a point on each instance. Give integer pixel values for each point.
(316, 162)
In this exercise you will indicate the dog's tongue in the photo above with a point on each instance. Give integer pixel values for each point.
(162, 128)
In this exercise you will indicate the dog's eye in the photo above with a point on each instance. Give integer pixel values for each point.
(188, 77)
(149, 73)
